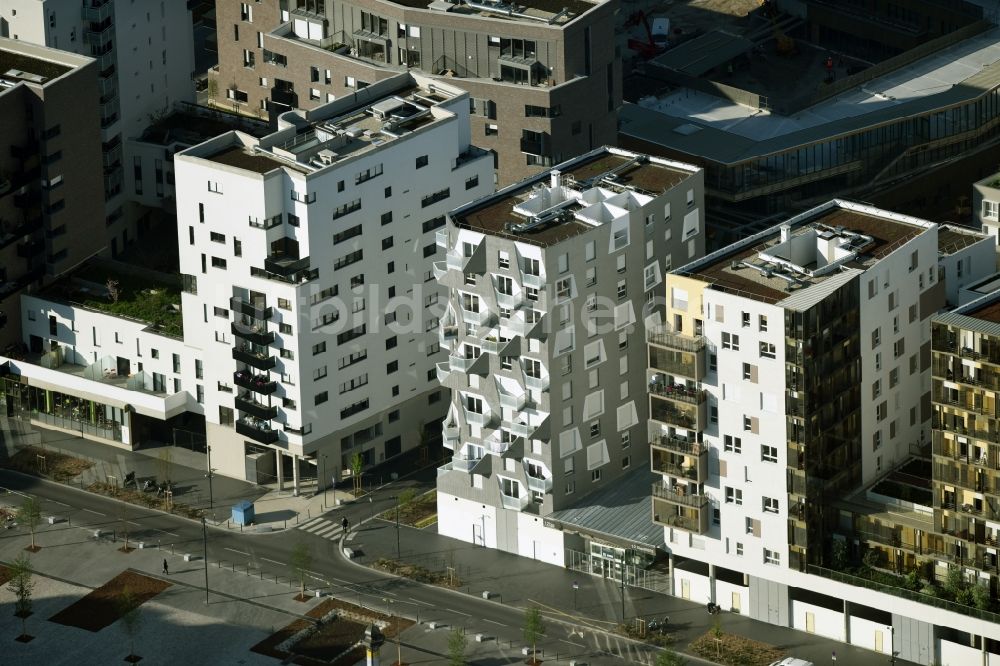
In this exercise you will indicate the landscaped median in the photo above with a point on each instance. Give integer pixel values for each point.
(418, 511)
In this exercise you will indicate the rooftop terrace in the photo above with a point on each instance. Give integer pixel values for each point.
(550, 11)
(952, 239)
(309, 141)
(190, 125)
(810, 249)
(143, 296)
(28, 68)
(987, 311)
(573, 198)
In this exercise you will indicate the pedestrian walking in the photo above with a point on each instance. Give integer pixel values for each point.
(346, 524)
(165, 569)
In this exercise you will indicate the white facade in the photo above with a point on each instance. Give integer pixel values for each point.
(145, 52)
(986, 205)
(738, 537)
(342, 313)
(549, 283)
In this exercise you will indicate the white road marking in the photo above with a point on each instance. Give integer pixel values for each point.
(59, 503)
(97, 512)
(569, 642)
(233, 550)
(418, 601)
(272, 561)
(494, 622)
(452, 610)
(155, 529)
(132, 522)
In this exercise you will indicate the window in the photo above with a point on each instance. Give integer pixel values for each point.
(626, 440)
(319, 348)
(320, 398)
(471, 182)
(347, 208)
(768, 453)
(876, 388)
(595, 475)
(595, 429)
(431, 199)
(749, 372)
(421, 162)
(734, 444)
(739, 548)
(319, 373)
(734, 496)
(745, 319)
(387, 243)
(991, 209)
(772, 557)
(730, 341)
(767, 350)
(770, 505)
(881, 410)
(762, 324)
(893, 377)
(876, 337)
(898, 347)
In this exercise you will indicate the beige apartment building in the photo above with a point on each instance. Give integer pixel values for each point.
(543, 77)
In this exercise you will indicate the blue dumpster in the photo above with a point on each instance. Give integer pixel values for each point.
(243, 513)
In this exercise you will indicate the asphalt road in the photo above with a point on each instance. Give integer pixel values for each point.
(331, 569)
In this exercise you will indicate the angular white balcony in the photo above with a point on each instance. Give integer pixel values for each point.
(481, 318)
(475, 263)
(541, 485)
(447, 333)
(440, 269)
(443, 370)
(479, 365)
(519, 325)
(533, 281)
(510, 301)
(441, 238)
(537, 383)
(515, 401)
(515, 503)
(478, 418)
(518, 428)
(451, 433)
(494, 444)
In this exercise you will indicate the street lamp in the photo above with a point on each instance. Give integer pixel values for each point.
(324, 481)
(396, 499)
(211, 499)
(204, 542)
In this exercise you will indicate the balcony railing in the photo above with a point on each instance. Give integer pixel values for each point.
(510, 301)
(237, 304)
(259, 360)
(284, 265)
(677, 413)
(688, 364)
(513, 401)
(679, 457)
(443, 370)
(479, 365)
(532, 281)
(440, 269)
(256, 383)
(246, 403)
(257, 430)
(537, 383)
(678, 392)
(680, 497)
(451, 432)
(541, 485)
(258, 335)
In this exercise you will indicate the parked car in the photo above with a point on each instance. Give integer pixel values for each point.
(792, 661)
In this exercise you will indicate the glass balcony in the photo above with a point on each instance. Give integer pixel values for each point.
(677, 354)
(541, 485)
(440, 269)
(537, 383)
(451, 433)
(245, 307)
(510, 301)
(443, 370)
(481, 318)
(479, 365)
(681, 511)
(532, 281)
(681, 411)
(441, 238)
(515, 503)
(256, 383)
(513, 401)
(255, 333)
(246, 403)
(680, 457)
(474, 263)
(520, 325)
(255, 359)
(257, 430)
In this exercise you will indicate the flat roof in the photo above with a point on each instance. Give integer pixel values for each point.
(244, 157)
(34, 67)
(191, 125)
(728, 132)
(989, 311)
(634, 175)
(705, 52)
(551, 11)
(952, 239)
(749, 269)
(309, 141)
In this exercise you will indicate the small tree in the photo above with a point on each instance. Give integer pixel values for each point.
(534, 628)
(457, 643)
(131, 619)
(301, 562)
(30, 514)
(114, 289)
(954, 584)
(357, 464)
(406, 497)
(21, 585)
(670, 658)
(717, 635)
(872, 558)
(981, 597)
(838, 554)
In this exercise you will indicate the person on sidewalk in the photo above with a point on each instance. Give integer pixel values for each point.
(346, 524)
(166, 570)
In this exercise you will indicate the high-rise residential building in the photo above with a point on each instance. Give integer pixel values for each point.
(549, 282)
(145, 61)
(307, 330)
(791, 375)
(543, 78)
(986, 205)
(321, 303)
(50, 157)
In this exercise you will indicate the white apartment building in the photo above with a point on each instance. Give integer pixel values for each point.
(307, 330)
(549, 281)
(986, 205)
(792, 369)
(308, 258)
(145, 54)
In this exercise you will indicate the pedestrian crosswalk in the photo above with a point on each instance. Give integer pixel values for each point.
(322, 527)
